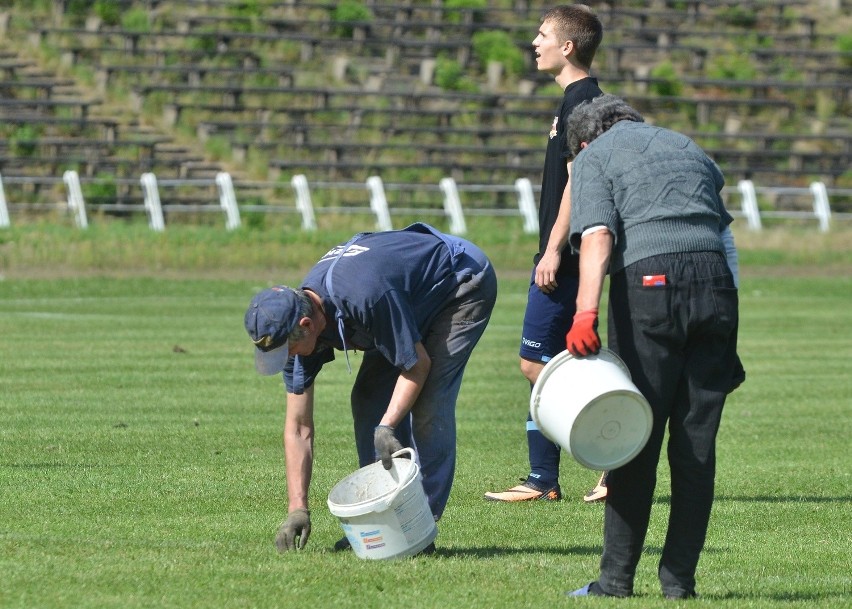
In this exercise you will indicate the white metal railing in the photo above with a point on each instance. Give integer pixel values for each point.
(822, 210)
(228, 200)
(454, 205)
(152, 202)
(818, 193)
(303, 202)
(749, 206)
(76, 203)
(379, 202)
(4, 209)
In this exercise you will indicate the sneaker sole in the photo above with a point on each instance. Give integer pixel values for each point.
(598, 494)
(524, 494)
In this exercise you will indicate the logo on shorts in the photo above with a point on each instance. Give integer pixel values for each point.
(531, 343)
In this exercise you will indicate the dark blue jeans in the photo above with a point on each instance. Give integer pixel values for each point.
(679, 342)
(431, 428)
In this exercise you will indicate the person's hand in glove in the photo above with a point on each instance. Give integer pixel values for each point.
(386, 444)
(582, 339)
(294, 531)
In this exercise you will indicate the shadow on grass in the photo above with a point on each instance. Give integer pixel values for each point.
(497, 551)
(58, 465)
(784, 597)
(666, 499)
(785, 499)
(502, 551)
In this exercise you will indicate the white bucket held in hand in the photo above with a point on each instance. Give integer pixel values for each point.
(591, 408)
(384, 513)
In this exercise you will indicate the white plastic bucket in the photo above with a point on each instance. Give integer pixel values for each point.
(384, 513)
(591, 408)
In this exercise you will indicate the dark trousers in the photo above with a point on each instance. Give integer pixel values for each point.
(679, 342)
(431, 428)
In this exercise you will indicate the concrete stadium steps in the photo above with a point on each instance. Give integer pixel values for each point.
(266, 84)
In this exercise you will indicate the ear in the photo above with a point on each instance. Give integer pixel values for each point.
(583, 145)
(567, 48)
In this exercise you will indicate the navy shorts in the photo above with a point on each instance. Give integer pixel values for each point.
(548, 318)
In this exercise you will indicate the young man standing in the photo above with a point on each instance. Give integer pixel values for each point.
(564, 47)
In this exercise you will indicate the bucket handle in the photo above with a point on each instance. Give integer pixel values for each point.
(403, 480)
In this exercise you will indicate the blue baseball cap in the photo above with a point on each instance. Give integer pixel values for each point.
(271, 316)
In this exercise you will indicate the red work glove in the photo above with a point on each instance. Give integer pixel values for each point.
(582, 339)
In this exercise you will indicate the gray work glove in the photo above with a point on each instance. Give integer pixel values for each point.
(297, 525)
(386, 444)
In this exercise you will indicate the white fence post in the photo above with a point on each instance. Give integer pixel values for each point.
(75, 198)
(152, 202)
(4, 209)
(303, 202)
(526, 205)
(452, 206)
(379, 202)
(228, 200)
(749, 204)
(821, 206)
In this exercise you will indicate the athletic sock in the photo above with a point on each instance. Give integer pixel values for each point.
(544, 458)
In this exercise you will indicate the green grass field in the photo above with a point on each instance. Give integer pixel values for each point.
(141, 461)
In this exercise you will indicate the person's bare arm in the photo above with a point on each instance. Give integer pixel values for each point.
(408, 387)
(595, 252)
(548, 265)
(299, 447)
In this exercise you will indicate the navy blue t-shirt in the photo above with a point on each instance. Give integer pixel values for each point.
(388, 286)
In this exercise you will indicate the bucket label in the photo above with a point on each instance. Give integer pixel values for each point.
(414, 517)
(372, 540)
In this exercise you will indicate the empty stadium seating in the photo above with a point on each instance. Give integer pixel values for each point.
(290, 89)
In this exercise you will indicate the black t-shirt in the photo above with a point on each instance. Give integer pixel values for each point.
(556, 173)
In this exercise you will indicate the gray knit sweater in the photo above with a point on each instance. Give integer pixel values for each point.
(654, 189)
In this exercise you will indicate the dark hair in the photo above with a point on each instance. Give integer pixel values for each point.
(306, 309)
(594, 117)
(577, 23)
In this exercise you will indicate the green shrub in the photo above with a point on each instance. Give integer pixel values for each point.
(453, 14)
(206, 43)
(22, 143)
(135, 20)
(671, 85)
(843, 44)
(245, 8)
(218, 148)
(109, 11)
(253, 220)
(739, 16)
(731, 66)
(498, 46)
(103, 188)
(246, 14)
(465, 4)
(347, 12)
(76, 11)
(448, 73)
